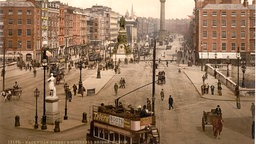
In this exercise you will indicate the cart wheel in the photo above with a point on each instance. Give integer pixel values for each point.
(203, 124)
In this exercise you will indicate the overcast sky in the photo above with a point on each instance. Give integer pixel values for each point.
(142, 8)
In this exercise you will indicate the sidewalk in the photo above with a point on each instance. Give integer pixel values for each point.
(195, 74)
(90, 82)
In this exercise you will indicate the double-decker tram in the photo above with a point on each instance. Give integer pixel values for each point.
(120, 125)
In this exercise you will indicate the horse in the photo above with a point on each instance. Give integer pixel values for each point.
(6, 94)
(217, 126)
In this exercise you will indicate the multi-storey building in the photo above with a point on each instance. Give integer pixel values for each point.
(53, 27)
(222, 27)
(114, 17)
(20, 28)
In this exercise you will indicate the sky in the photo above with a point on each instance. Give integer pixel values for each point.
(142, 8)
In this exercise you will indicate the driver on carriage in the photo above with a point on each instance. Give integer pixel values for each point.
(16, 86)
(218, 110)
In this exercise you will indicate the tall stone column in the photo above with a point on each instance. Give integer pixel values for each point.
(162, 15)
(162, 32)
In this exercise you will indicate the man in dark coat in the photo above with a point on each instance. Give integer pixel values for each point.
(74, 89)
(212, 89)
(170, 102)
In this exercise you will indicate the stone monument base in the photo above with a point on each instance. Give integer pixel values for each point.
(52, 112)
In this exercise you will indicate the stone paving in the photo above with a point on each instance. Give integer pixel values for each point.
(193, 73)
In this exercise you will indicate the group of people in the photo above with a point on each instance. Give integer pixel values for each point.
(122, 83)
(170, 99)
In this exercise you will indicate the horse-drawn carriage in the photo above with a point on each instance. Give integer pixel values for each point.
(214, 119)
(161, 77)
(60, 76)
(10, 92)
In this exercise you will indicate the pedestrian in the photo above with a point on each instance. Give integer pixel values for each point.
(148, 104)
(253, 110)
(203, 78)
(212, 89)
(207, 88)
(34, 71)
(123, 83)
(74, 89)
(202, 89)
(116, 88)
(170, 102)
(166, 63)
(69, 95)
(218, 110)
(162, 94)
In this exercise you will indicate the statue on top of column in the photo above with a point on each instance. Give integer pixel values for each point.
(122, 23)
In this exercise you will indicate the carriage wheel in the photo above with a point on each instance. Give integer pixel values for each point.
(203, 123)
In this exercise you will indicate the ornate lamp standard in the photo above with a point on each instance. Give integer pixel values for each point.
(237, 86)
(36, 94)
(243, 70)
(201, 56)
(215, 72)
(66, 99)
(44, 63)
(3, 70)
(80, 83)
(228, 62)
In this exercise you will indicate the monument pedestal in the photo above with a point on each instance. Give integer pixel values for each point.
(52, 111)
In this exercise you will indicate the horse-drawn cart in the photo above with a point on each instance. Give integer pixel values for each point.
(10, 92)
(161, 77)
(214, 119)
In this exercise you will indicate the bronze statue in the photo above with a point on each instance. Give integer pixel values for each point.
(122, 22)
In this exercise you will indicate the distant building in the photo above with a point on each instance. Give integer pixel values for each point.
(18, 31)
(221, 26)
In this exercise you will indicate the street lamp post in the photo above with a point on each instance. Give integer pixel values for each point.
(66, 99)
(80, 83)
(201, 56)
(243, 70)
(215, 72)
(44, 63)
(3, 70)
(36, 94)
(237, 86)
(228, 62)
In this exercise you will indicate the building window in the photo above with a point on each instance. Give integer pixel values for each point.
(1, 32)
(10, 43)
(28, 32)
(233, 46)
(233, 14)
(205, 23)
(214, 46)
(205, 47)
(223, 46)
(10, 12)
(10, 32)
(243, 46)
(242, 23)
(1, 12)
(214, 23)
(204, 13)
(223, 14)
(19, 21)
(205, 34)
(19, 44)
(19, 32)
(29, 45)
(242, 14)
(29, 21)
(223, 34)
(10, 21)
(19, 12)
(214, 34)
(242, 34)
(233, 34)
(214, 13)
(223, 23)
(29, 12)
(233, 23)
